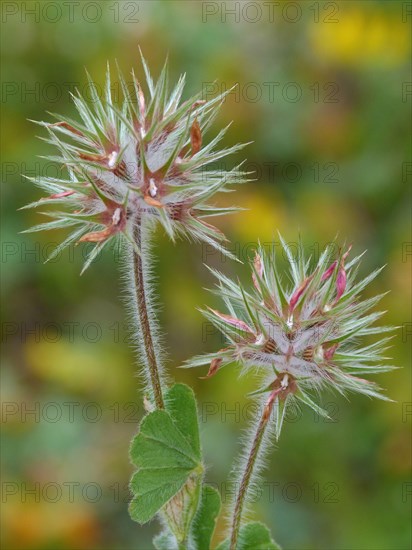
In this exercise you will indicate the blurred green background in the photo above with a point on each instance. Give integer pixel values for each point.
(323, 93)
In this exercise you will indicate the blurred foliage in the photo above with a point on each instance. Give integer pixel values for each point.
(327, 108)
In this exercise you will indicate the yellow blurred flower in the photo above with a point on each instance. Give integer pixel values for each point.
(73, 525)
(361, 36)
(89, 368)
(264, 215)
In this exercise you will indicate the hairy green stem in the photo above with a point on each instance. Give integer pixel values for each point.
(144, 318)
(249, 468)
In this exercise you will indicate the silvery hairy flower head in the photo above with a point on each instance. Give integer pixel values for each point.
(302, 333)
(141, 158)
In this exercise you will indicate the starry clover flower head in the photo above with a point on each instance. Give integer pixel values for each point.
(303, 335)
(143, 157)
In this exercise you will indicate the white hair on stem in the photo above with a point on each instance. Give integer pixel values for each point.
(142, 305)
(246, 444)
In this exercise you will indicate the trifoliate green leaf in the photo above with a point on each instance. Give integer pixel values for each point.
(252, 536)
(205, 520)
(166, 453)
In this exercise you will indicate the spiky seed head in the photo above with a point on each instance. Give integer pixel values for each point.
(302, 336)
(144, 157)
